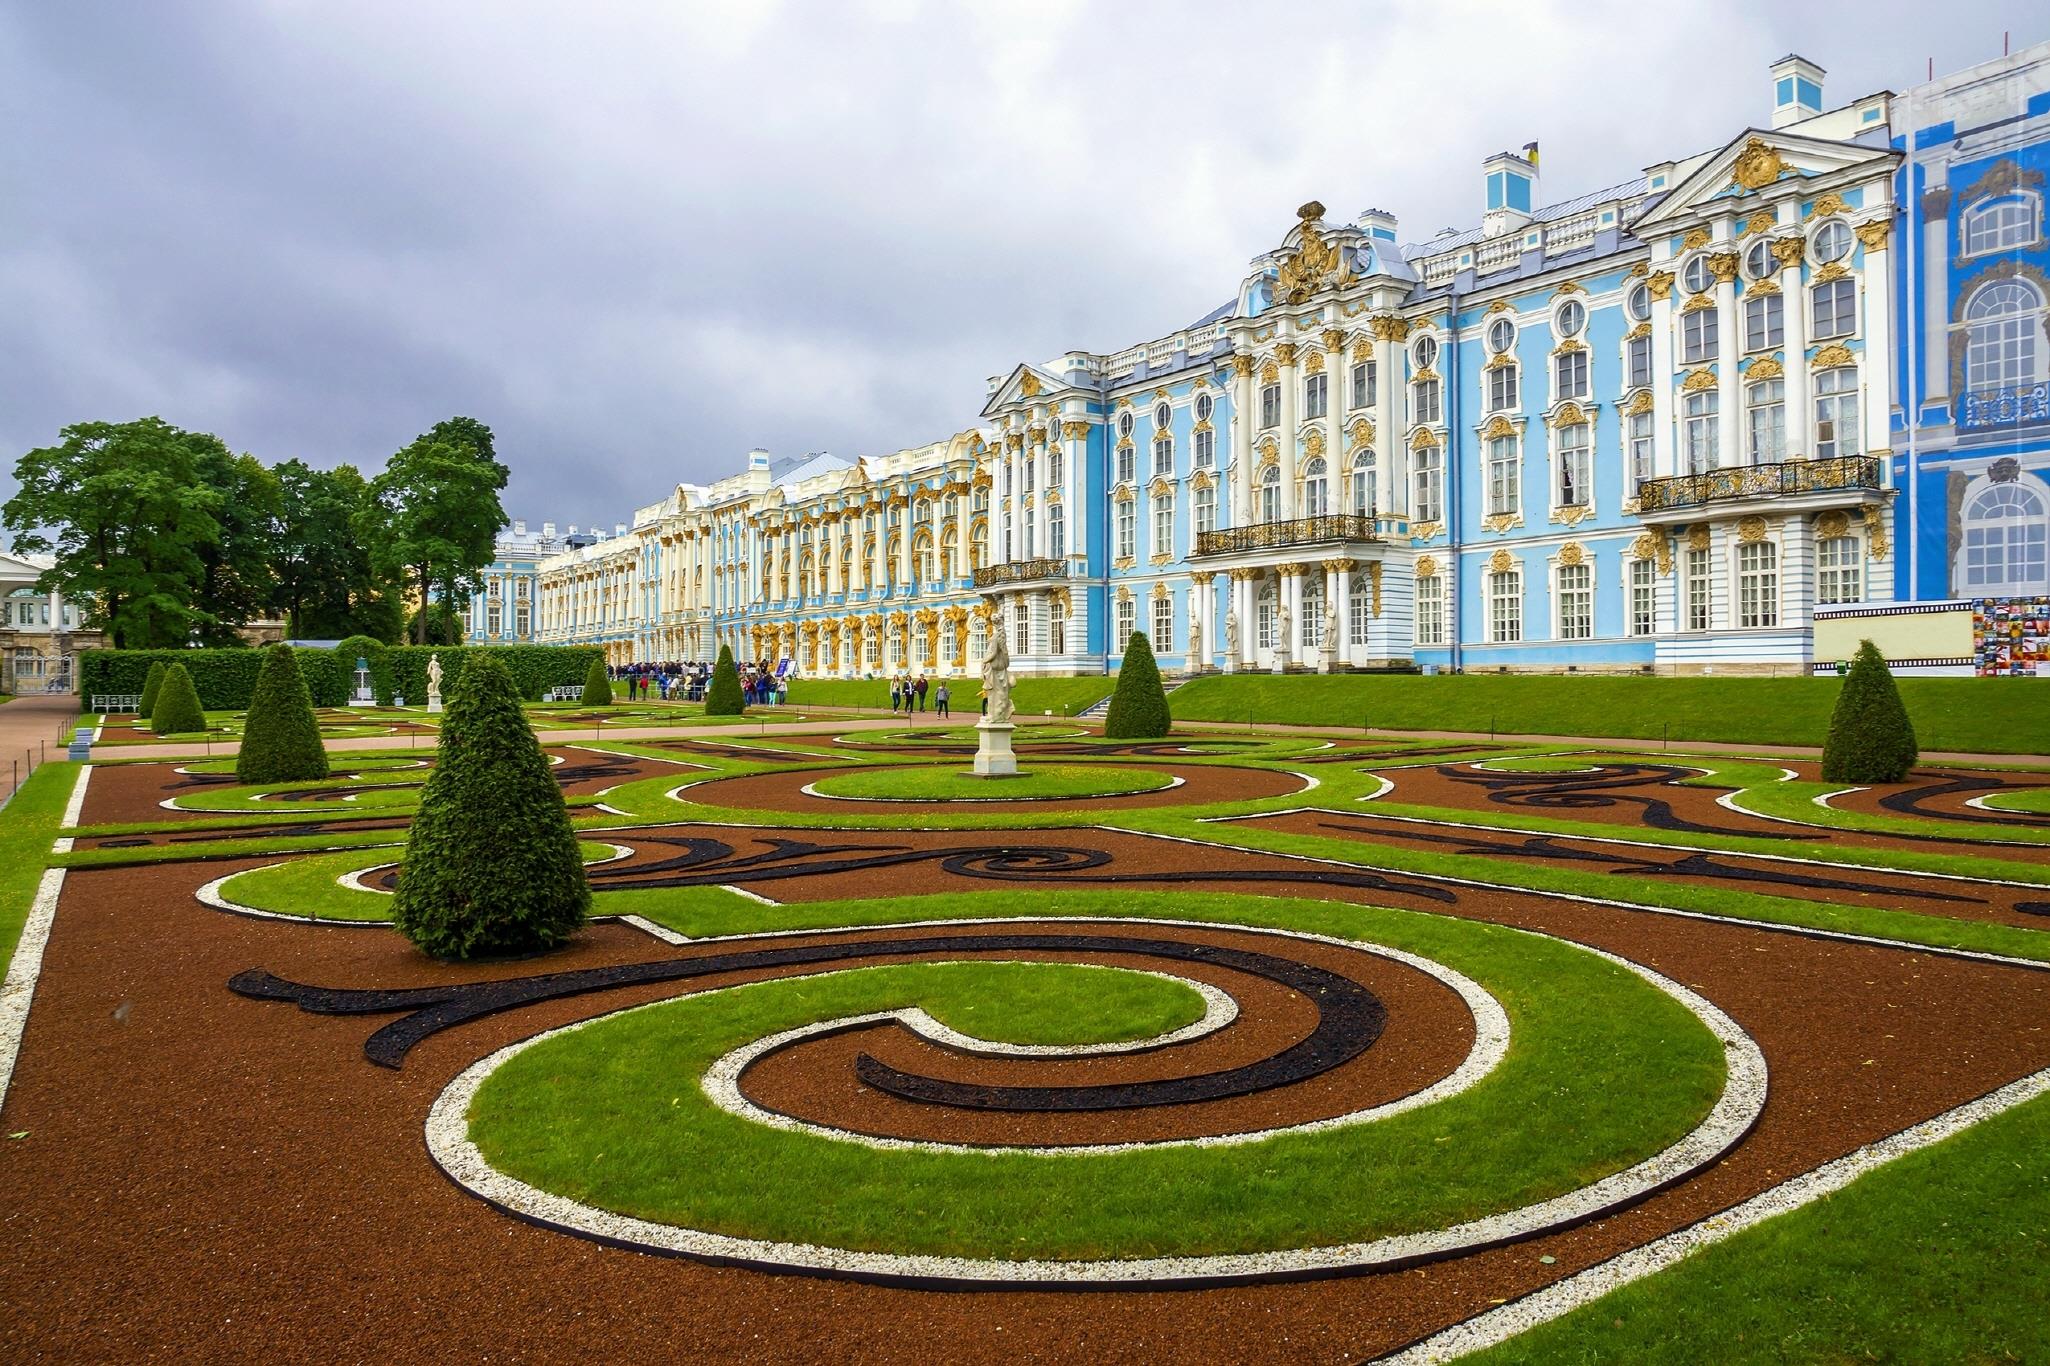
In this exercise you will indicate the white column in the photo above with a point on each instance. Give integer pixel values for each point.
(962, 496)
(1291, 383)
(1390, 459)
(1343, 597)
(1240, 512)
(1876, 410)
(903, 548)
(1665, 451)
(1292, 594)
(1730, 445)
(1242, 597)
(1014, 461)
(878, 563)
(1935, 293)
(1794, 313)
(1336, 458)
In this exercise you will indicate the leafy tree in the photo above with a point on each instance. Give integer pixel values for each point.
(126, 509)
(325, 584)
(1138, 707)
(723, 697)
(280, 738)
(443, 626)
(177, 709)
(236, 583)
(492, 866)
(435, 515)
(152, 682)
(1871, 739)
(597, 687)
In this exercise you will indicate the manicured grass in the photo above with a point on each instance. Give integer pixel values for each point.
(310, 887)
(2031, 799)
(1030, 697)
(1604, 1070)
(1978, 715)
(28, 823)
(1943, 1255)
(952, 784)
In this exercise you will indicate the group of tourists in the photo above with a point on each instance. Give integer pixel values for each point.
(908, 694)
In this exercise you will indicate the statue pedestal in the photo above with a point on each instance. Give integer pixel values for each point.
(993, 756)
(434, 703)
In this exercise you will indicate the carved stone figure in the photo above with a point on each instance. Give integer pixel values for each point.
(434, 675)
(1196, 660)
(996, 681)
(1331, 629)
(1231, 634)
(1284, 641)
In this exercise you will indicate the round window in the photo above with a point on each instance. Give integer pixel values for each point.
(1571, 319)
(1696, 276)
(1639, 303)
(1501, 335)
(1124, 424)
(1832, 242)
(1425, 353)
(1162, 415)
(1759, 262)
(1203, 407)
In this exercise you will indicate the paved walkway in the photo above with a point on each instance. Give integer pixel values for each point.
(33, 730)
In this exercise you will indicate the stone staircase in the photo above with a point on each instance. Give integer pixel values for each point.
(1097, 711)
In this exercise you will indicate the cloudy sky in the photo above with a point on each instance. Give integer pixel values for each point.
(638, 239)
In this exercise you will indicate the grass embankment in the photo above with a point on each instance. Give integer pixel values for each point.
(952, 785)
(1943, 1255)
(28, 823)
(1974, 715)
(1030, 697)
(1605, 1071)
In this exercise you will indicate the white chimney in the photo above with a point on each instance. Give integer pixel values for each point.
(1796, 90)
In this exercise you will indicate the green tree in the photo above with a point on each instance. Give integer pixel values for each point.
(126, 510)
(723, 697)
(492, 866)
(597, 687)
(177, 709)
(443, 626)
(152, 683)
(1138, 706)
(435, 516)
(236, 581)
(1871, 739)
(325, 584)
(280, 738)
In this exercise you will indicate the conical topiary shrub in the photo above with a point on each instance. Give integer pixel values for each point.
(1871, 739)
(492, 866)
(177, 707)
(1138, 709)
(152, 683)
(280, 738)
(723, 697)
(597, 687)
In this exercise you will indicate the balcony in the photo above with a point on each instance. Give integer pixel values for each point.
(1019, 571)
(1281, 535)
(1741, 482)
(2020, 405)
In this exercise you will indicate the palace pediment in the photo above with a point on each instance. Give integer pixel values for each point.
(1766, 164)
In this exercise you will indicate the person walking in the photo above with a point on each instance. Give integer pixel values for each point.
(919, 688)
(940, 699)
(893, 694)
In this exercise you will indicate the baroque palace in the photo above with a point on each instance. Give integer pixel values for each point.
(1660, 425)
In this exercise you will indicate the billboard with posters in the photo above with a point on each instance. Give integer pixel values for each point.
(2011, 636)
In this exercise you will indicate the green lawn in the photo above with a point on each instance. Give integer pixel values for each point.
(1030, 696)
(28, 822)
(954, 784)
(1944, 1255)
(1980, 715)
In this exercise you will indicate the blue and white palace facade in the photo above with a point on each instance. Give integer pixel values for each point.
(1653, 427)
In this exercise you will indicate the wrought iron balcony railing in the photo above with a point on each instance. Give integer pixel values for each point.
(1275, 535)
(1758, 481)
(2018, 405)
(1020, 571)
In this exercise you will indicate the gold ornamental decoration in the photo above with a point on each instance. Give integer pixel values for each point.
(1374, 586)
(1334, 341)
(1242, 365)
(1699, 380)
(1832, 357)
(1640, 402)
(1827, 205)
(1660, 282)
(1873, 235)
(1028, 385)
(1751, 529)
(1694, 240)
(1315, 263)
(1426, 531)
(1075, 431)
(1665, 550)
(1724, 264)
(1875, 531)
(1501, 562)
(1765, 367)
(1285, 352)
(1761, 221)
(1645, 547)
(1789, 250)
(1570, 414)
(1426, 566)
(1835, 270)
(1499, 426)
(1830, 525)
(1698, 537)
(1572, 553)
(1758, 165)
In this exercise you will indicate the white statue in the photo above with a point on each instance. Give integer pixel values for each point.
(434, 683)
(1196, 660)
(1331, 629)
(1231, 634)
(1283, 620)
(996, 681)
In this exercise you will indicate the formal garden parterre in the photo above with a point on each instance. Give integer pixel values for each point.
(1412, 1045)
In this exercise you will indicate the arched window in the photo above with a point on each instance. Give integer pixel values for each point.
(1366, 494)
(1263, 616)
(2006, 541)
(1316, 489)
(1270, 495)
(1057, 627)
(2000, 224)
(2000, 342)
(978, 546)
(1359, 609)
(1312, 625)
(1429, 469)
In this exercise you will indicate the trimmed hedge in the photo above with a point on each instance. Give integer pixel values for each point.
(151, 681)
(724, 697)
(597, 687)
(492, 866)
(1138, 709)
(226, 678)
(281, 738)
(177, 710)
(1871, 739)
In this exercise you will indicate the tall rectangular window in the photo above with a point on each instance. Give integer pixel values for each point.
(1839, 570)
(1270, 405)
(1205, 501)
(1128, 536)
(1699, 336)
(1363, 384)
(1698, 431)
(1125, 611)
(1694, 578)
(1430, 610)
(1765, 421)
(1163, 524)
(1569, 375)
(1836, 412)
(1835, 312)
(1316, 393)
(1505, 477)
(1641, 451)
(1505, 608)
(1764, 322)
(1163, 455)
(1163, 625)
(1126, 462)
(1423, 402)
(1758, 584)
(1205, 449)
(1576, 602)
(1502, 388)
(1576, 465)
(1429, 472)
(1637, 362)
(1643, 597)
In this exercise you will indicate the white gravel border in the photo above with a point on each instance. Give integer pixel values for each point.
(18, 989)
(1742, 1099)
(1175, 780)
(1499, 1325)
